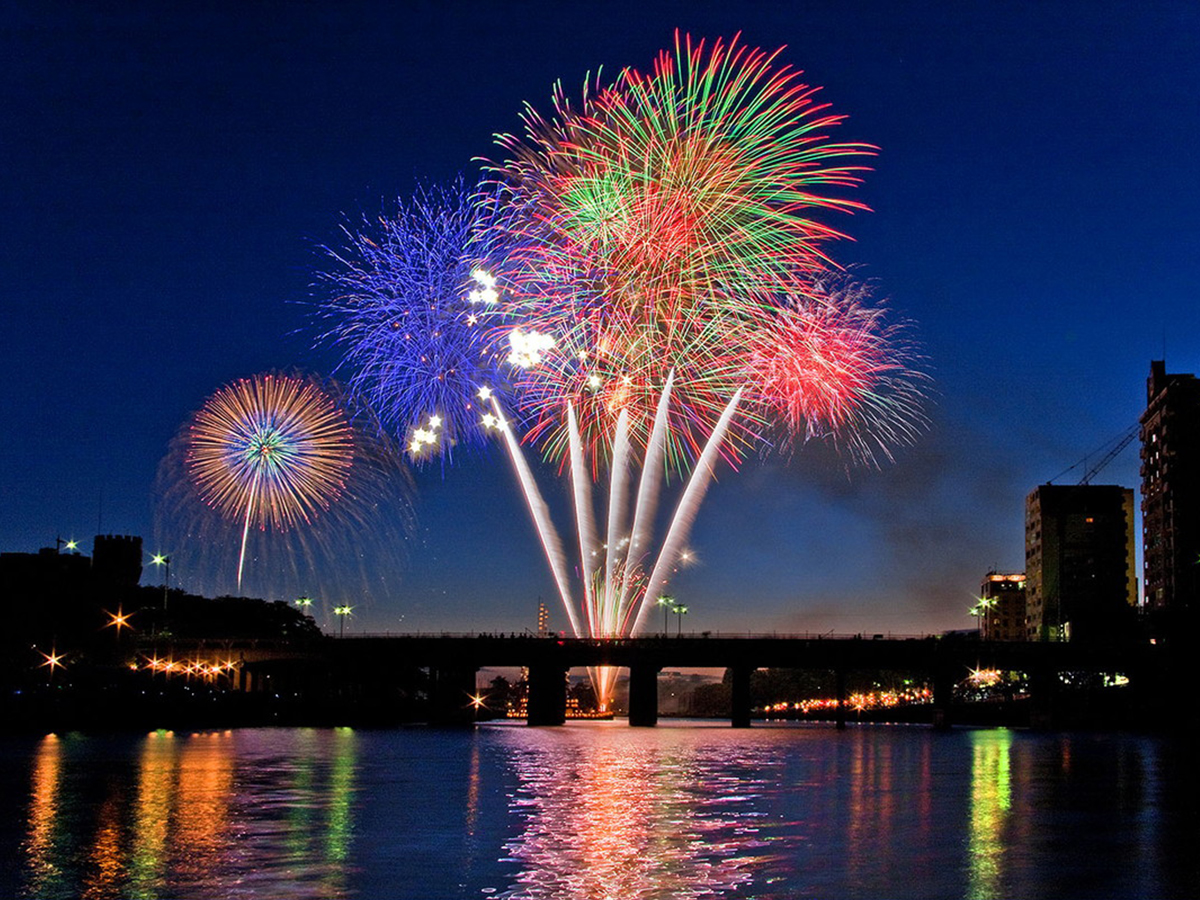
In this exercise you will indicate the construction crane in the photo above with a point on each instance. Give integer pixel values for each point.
(1114, 445)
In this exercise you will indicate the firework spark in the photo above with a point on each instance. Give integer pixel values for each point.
(833, 365)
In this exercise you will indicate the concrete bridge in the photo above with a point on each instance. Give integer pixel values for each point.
(453, 661)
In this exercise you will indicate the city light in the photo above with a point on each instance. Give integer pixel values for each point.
(118, 620)
(859, 702)
(667, 603)
(342, 612)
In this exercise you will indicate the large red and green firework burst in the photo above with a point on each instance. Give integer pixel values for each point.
(664, 223)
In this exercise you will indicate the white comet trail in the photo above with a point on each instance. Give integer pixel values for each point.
(619, 605)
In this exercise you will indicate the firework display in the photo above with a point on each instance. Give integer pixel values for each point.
(405, 308)
(654, 225)
(270, 451)
(641, 288)
(285, 485)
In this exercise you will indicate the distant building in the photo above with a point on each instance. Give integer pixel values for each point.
(29, 577)
(117, 560)
(1002, 607)
(115, 565)
(1171, 494)
(1080, 563)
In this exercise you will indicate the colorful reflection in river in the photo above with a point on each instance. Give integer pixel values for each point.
(991, 806)
(598, 810)
(609, 812)
(273, 806)
(43, 847)
(631, 815)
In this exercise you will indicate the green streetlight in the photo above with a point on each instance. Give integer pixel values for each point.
(343, 612)
(304, 603)
(680, 611)
(160, 559)
(980, 611)
(667, 603)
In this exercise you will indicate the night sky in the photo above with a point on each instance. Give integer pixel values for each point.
(170, 171)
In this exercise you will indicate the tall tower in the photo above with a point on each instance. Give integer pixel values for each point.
(1171, 494)
(117, 560)
(1080, 562)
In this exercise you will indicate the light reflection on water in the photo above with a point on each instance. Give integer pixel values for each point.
(208, 814)
(598, 810)
(636, 817)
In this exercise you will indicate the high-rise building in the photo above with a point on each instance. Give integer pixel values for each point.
(1171, 494)
(1001, 608)
(1080, 563)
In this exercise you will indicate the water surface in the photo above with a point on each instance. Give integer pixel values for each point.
(599, 810)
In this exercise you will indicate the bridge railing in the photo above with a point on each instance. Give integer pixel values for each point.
(652, 636)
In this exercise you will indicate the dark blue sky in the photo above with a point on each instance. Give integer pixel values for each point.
(168, 171)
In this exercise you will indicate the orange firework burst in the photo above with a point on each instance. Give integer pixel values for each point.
(272, 450)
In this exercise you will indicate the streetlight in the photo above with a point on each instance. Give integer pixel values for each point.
(342, 611)
(160, 559)
(54, 660)
(980, 611)
(680, 611)
(304, 603)
(668, 604)
(478, 702)
(118, 620)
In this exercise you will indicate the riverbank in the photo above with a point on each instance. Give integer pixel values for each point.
(197, 707)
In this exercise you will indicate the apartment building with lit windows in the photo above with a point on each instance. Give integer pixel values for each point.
(1080, 562)
(1001, 607)
(1170, 432)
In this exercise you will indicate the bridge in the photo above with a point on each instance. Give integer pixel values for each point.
(452, 661)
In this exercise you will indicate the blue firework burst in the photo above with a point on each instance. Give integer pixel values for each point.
(402, 311)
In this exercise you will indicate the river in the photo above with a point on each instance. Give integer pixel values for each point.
(599, 810)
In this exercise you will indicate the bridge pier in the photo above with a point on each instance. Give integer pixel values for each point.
(1043, 685)
(943, 697)
(450, 693)
(739, 695)
(546, 703)
(643, 695)
(839, 678)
